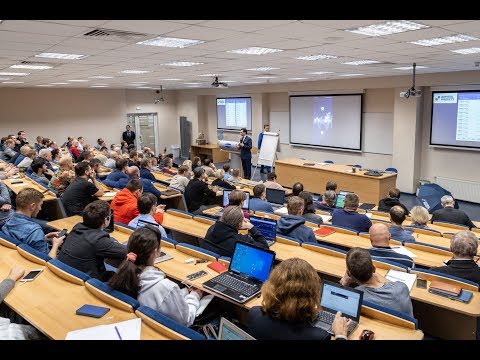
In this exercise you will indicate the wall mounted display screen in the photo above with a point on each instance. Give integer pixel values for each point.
(234, 113)
(333, 121)
(456, 119)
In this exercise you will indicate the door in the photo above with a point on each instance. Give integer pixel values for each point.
(145, 126)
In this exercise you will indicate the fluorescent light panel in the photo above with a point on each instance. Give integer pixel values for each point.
(60, 83)
(473, 50)
(183, 63)
(170, 42)
(444, 40)
(75, 80)
(172, 79)
(3, 73)
(209, 75)
(316, 57)
(32, 67)
(101, 77)
(265, 77)
(264, 68)
(387, 28)
(297, 78)
(321, 72)
(346, 75)
(61, 56)
(254, 51)
(410, 67)
(5, 79)
(134, 72)
(12, 82)
(44, 85)
(98, 86)
(361, 62)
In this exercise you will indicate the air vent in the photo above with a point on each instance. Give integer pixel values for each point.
(116, 35)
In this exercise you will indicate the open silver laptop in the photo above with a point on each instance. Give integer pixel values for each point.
(229, 331)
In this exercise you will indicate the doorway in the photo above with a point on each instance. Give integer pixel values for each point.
(145, 126)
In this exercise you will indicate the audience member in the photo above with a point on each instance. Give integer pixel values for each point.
(111, 161)
(125, 202)
(237, 198)
(39, 144)
(381, 250)
(95, 166)
(8, 152)
(293, 224)
(133, 159)
(271, 182)
(236, 176)
(168, 165)
(180, 180)
(148, 210)
(209, 167)
(222, 236)
(290, 304)
(378, 290)
(420, 217)
(138, 277)
(39, 168)
(134, 173)
(297, 188)
(197, 194)
(74, 149)
(228, 176)
(6, 211)
(259, 201)
(196, 162)
(118, 173)
(397, 217)
(145, 167)
(328, 201)
(27, 160)
(349, 217)
(393, 199)
(64, 175)
(309, 209)
(56, 156)
(450, 214)
(219, 175)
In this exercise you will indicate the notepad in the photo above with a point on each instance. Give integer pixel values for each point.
(326, 218)
(407, 279)
(324, 231)
(403, 250)
(110, 193)
(128, 330)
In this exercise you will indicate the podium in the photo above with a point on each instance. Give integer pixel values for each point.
(231, 147)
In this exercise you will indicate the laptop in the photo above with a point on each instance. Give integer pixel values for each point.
(225, 202)
(340, 200)
(268, 228)
(276, 198)
(229, 331)
(248, 270)
(335, 298)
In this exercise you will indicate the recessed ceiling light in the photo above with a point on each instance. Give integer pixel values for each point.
(351, 75)
(183, 63)
(170, 42)
(473, 50)
(32, 67)
(264, 68)
(387, 28)
(410, 67)
(59, 83)
(101, 77)
(444, 40)
(172, 79)
(145, 87)
(297, 78)
(252, 82)
(134, 72)
(265, 77)
(193, 83)
(361, 62)
(254, 51)
(44, 85)
(12, 82)
(75, 80)
(321, 72)
(316, 57)
(61, 56)
(2, 78)
(98, 86)
(208, 75)
(3, 73)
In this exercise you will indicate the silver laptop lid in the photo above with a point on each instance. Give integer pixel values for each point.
(229, 331)
(335, 298)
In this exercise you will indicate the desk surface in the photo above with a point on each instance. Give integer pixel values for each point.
(28, 183)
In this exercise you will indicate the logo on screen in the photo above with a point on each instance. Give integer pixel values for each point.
(447, 98)
(220, 101)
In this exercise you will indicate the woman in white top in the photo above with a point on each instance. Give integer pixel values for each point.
(138, 278)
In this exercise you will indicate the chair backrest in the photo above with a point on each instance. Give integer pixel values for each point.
(311, 224)
(167, 242)
(324, 249)
(388, 315)
(8, 241)
(204, 219)
(448, 235)
(197, 251)
(423, 231)
(67, 272)
(328, 162)
(267, 214)
(122, 226)
(33, 255)
(450, 225)
(180, 213)
(432, 275)
(365, 235)
(429, 248)
(340, 229)
(476, 231)
(387, 264)
(357, 166)
(391, 169)
(166, 326)
(380, 213)
(61, 208)
(225, 260)
(111, 297)
(288, 240)
(386, 222)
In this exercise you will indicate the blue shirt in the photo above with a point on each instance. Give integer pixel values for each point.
(257, 204)
(19, 159)
(400, 234)
(351, 219)
(149, 219)
(22, 228)
(227, 177)
(387, 253)
(113, 178)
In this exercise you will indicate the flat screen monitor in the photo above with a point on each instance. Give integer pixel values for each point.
(234, 113)
(246, 203)
(275, 196)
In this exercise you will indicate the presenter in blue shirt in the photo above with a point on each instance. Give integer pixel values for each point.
(266, 128)
(245, 146)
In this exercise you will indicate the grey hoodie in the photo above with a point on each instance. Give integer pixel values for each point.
(163, 295)
(294, 226)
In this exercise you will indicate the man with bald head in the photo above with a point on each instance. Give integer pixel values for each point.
(381, 250)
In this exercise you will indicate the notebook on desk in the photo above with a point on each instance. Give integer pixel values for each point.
(335, 298)
(268, 228)
(248, 270)
(276, 197)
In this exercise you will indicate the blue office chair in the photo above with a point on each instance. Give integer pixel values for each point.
(67, 272)
(167, 242)
(112, 297)
(325, 249)
(328, 162)
(166, 326)
(433, 275)
(288, 240)
(391, 169)
(180, 213)
(8, 241)
(369, 308)
(33, 255)
(357, 166)
(124, 226)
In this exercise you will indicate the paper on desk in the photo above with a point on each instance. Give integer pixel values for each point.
(110, 193)
(369, 215)
(129, 330)
(282, 210)
(403, 250)
(326, 218)
(407, 279)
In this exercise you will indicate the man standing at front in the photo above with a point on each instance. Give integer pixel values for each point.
(245, 147)
(128, 136)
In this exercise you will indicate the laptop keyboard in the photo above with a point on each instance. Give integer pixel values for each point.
(236, 284)
(327, 318)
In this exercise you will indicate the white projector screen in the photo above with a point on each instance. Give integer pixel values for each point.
(234, 113)
(333, 121)
(456, 119)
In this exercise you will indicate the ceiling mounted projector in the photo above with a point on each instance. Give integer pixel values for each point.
(160, 99)
(412, 91)
(216, 83)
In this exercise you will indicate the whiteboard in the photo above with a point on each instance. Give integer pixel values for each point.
(377, 133)
(280, 123)
(268, 149)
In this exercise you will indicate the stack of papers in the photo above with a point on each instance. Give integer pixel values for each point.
(125, 330)
(403, 250)
(407, 279)
(110, 193)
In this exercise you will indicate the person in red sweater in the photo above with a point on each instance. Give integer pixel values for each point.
(125, 203)
(74, 149)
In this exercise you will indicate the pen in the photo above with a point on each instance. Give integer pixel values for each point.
(118, 333)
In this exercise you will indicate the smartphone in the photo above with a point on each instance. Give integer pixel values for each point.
(63, 232)
(92, 311)
(196, 275)
(17, 182)
(31, 275)
(422, 284)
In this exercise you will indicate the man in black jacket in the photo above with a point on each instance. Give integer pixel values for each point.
(450, 214)
(392, 200)
(197, 194)
(128, 136)
(87, 245)
(222, 236)
(464, 246)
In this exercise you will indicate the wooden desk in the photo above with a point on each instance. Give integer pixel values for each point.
(370, 189)
(209, 151)
(28, 183)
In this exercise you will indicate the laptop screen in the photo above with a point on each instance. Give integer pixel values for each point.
(245, 203)
(268, 228)
(229, 331)
(276, 196)
(252, 261)
(337, 298)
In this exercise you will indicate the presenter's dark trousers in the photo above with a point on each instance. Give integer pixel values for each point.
(247, 167)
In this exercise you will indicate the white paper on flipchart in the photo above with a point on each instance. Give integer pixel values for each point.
(129, 330)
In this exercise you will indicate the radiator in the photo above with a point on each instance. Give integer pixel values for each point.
(460, 189)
